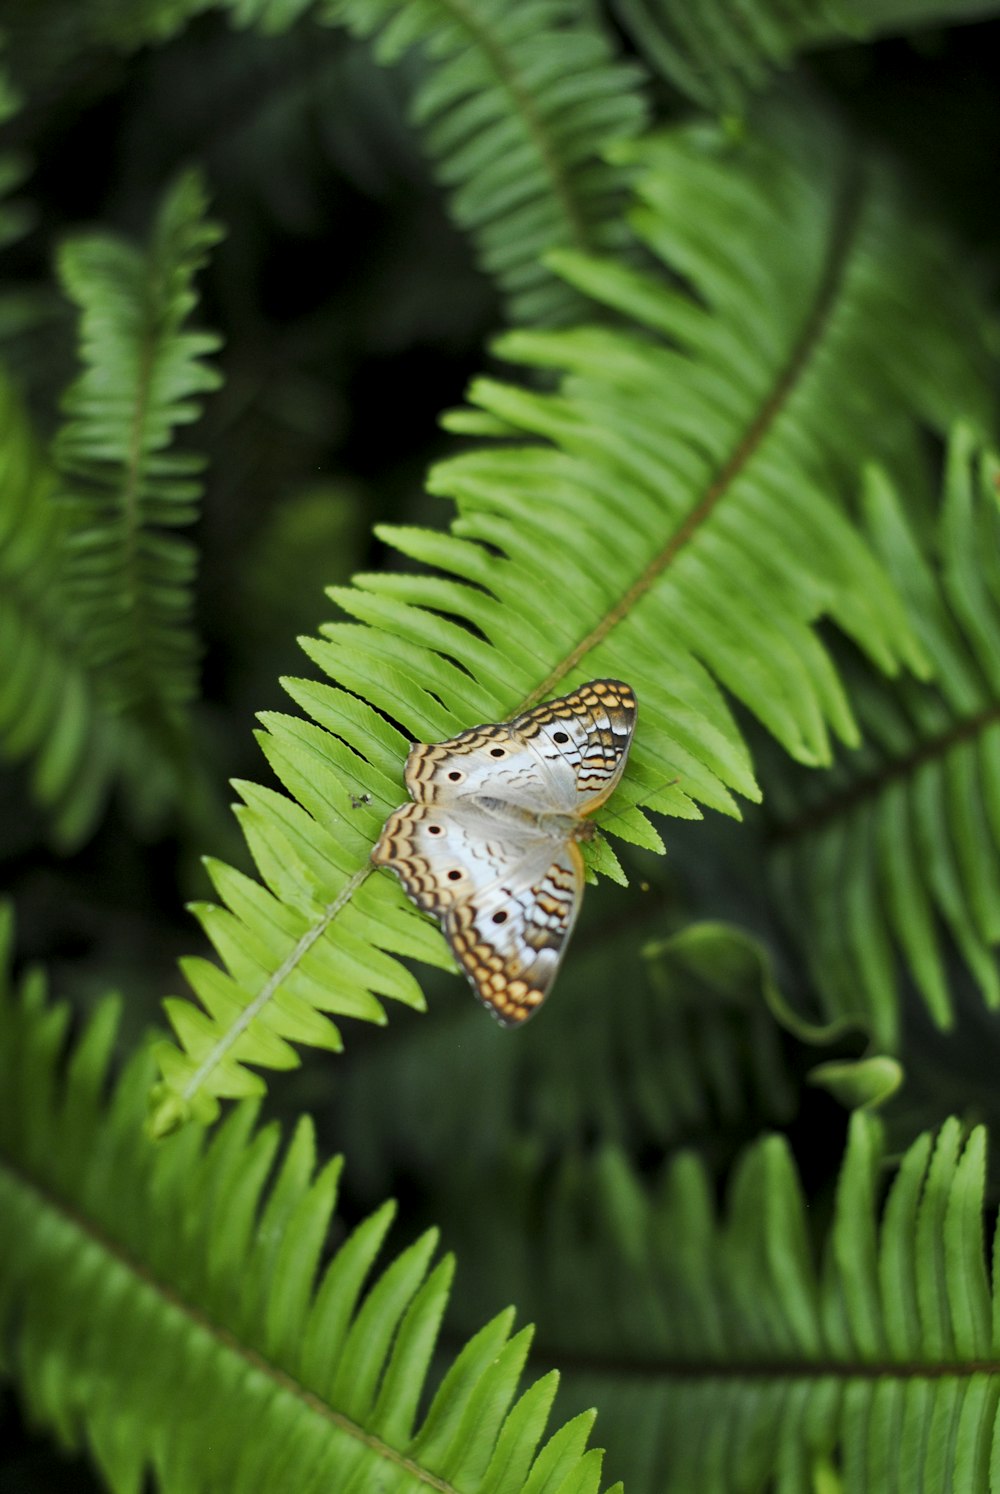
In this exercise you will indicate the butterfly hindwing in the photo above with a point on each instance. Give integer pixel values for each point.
(506, 902)
(510, 945)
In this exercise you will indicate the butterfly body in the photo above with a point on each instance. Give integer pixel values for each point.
(489, 845)
(549, 825)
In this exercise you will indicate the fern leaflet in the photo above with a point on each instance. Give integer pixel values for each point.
(517, 106)
(124, 491)
(719, 52)
(169, 1307)
(50, 707)
(900, 841)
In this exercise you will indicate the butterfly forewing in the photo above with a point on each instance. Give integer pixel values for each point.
(488, 846)
(487, 760)
(565, 756)
(583, 739)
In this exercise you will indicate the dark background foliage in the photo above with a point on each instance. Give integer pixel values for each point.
(352, 314)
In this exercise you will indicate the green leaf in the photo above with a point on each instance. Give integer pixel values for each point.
(125, 490)
(173, 1310)
(51, 708)
(900, 845)
(516, 107)
(656, 1042)
(861, 1082)
(744, 1343)
(720, 53)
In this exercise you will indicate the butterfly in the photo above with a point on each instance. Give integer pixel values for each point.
(489, 845)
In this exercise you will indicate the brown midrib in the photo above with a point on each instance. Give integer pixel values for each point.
(841, 234)
(668, 1368)
(534, 126)
(839, 805)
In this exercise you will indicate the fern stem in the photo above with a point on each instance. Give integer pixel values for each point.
(867, 788)
(756, 1369)
(130, 489)
(507, 75)
(65, 1216)
(218, 1050)
(845, 221)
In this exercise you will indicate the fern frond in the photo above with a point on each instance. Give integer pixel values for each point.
(125, 491)
(167, 1306)
(737, 1349)
(719, 52)
(15, 216)
(47, 705)
(516, 108)
(674, 515)
(25, 307)
(899, 844)
(649, 1050)
(47, 38)
(272, 17)
(50, 708)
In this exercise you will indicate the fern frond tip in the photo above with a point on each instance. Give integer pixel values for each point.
(168, 1113)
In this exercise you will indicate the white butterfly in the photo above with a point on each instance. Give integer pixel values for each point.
(489, 845)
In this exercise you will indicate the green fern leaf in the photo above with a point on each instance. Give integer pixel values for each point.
(899, 844)
(741, 1348)
(719, 52)
(516, 107)
(125, 491)
(15, 215)
(45, 41)
(272, 17)
(169, 1309)
(675, 515)
(50, 707)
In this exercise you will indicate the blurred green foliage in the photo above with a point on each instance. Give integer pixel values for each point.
(368, 256)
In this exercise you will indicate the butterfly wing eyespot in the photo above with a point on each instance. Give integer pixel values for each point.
(437, 857)
(512, 956)
(473, 848)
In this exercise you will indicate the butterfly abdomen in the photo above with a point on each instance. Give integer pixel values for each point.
(550, 824)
